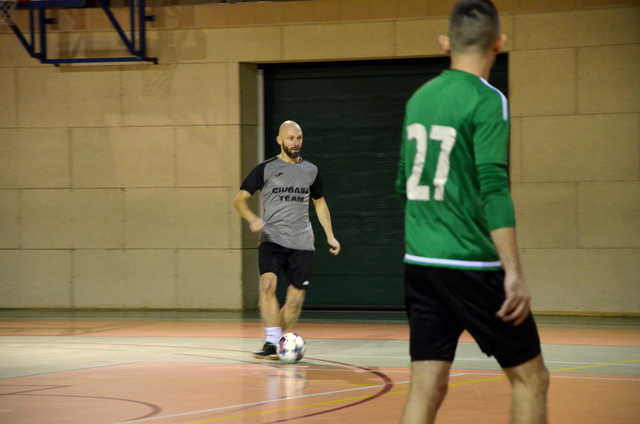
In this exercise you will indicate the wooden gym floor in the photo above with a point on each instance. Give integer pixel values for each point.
(196, 368)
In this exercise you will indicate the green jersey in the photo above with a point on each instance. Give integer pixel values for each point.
(453, 170)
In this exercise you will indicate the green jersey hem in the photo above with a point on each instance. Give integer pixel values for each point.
(452, 263)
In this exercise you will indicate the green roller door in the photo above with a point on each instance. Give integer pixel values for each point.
(351, 114)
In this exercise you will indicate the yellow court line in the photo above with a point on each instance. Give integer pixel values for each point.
(338, 383)
(502, 377)
(288, 408)
(584, 367)
(395, 392)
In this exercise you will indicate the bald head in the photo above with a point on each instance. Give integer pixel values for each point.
(290, 139)
(287, 125)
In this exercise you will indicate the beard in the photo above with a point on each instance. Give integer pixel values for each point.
(293, 154)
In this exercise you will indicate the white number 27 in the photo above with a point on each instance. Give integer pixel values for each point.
(447, 138)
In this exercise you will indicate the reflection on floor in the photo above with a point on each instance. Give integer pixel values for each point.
(178, 367)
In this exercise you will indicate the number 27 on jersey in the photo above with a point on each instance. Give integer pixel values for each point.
(447, 138)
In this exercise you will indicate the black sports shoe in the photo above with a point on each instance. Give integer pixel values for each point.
(269, 351)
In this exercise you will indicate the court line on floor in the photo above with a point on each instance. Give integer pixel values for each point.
(546, 362)
(283, 409)
(345, 400)
(621, 378)
(503, 377)
(397, 392)
(573, 377)
(601, 365)
(325, 403)
(264, 402)
(486, 359)
(154, 409)
(87, 368)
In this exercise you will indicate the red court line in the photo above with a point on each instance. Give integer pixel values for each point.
(478, 393)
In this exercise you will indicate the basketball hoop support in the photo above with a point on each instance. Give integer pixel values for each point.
(135, 42)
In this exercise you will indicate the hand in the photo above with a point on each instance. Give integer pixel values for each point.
(515, 308)
(335, 245)
(256, 225)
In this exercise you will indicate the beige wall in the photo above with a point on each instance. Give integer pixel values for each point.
(116, 181)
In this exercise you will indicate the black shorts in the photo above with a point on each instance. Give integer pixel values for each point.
(443, 302)
(295, 263)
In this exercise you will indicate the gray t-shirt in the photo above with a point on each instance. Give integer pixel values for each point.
(285, 190)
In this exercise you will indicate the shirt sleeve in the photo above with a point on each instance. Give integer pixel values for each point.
(254, 181)
(491, 149)
(401, 178)
(316, 188)
(491, 130)
(497, 204)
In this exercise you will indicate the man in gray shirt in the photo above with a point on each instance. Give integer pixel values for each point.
(286, 183)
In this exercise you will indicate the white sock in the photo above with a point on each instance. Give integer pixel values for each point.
(273, 334)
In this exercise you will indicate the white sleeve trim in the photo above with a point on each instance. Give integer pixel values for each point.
(452, 262)
(505, 102)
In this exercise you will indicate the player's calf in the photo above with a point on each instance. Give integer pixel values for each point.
(292, 307)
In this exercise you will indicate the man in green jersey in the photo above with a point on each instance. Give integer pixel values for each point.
(462, 268)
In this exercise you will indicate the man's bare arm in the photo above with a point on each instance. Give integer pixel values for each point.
(240, 204)
(518, 300)
(324, 216)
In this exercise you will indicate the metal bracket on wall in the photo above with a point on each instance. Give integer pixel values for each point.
(36, 44)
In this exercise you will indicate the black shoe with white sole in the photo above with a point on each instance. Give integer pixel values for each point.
(269, 351)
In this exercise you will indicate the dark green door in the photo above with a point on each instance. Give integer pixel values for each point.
(351, 114)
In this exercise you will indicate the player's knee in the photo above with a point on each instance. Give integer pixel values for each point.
(441, 384)
(443, 389)
(430, 385)
(433, 394)
(537, 382)
(532, 378)
(440, 391)
(542, 380)
(268, 284)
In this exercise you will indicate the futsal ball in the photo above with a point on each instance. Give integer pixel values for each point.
(290, 348)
